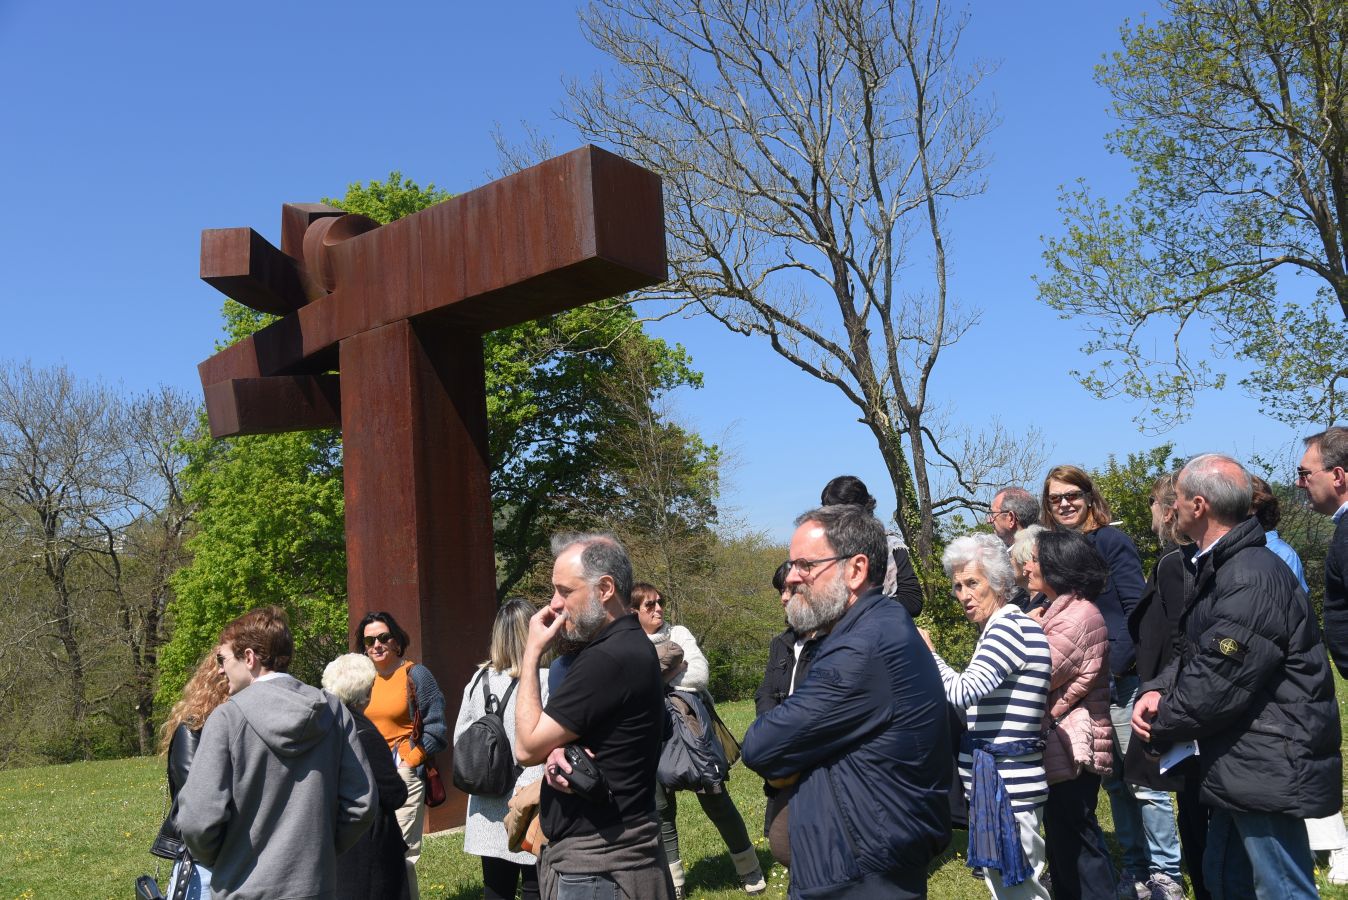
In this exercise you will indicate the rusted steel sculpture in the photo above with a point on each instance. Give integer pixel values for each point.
(381, 335)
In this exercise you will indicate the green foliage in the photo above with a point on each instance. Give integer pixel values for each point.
(1232, 115)
(270, 531)
(1126, 487)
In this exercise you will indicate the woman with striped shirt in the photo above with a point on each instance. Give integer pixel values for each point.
(1004, 690)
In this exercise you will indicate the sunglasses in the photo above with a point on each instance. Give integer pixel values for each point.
(652, 604)
(384, 638)
(1069, 496)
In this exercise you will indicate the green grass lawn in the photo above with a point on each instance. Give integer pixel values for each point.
(84, 831)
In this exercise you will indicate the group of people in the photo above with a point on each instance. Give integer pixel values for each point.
(1206, 680)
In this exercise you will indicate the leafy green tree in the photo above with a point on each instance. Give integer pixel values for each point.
(1235, 117)
(1127, 486)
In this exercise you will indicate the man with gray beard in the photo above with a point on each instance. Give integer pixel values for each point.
(865, 735)
(611, 704)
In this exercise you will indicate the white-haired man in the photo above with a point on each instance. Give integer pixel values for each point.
(1252, 686)
(611, 703)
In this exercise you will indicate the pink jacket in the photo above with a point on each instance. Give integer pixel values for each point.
(1078, 694)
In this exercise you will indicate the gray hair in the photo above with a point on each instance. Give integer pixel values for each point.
(1023, 546)
(603, 554)
(1020, 503)
(349, 678)
(851, 530)
(988, 553)
(1333, 444)
(1222, 482)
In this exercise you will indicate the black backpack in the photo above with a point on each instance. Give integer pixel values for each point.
(484, 762)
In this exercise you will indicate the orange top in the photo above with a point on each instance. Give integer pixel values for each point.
(388, 710)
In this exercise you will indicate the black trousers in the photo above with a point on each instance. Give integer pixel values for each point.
(500, 876)
(1078, 860)
(1193, 835)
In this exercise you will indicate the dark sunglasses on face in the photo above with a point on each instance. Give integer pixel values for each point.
(384, 638)
(652, 604)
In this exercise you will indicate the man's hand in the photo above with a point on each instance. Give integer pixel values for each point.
(557, 768)
(784, 781)
(544, 627)
(1144, 711)
(926, 639)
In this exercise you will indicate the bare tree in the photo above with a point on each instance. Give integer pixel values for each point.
(809, 151)
(94, 524)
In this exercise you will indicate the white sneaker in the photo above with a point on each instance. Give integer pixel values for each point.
(1338, 866)
(1163, 887)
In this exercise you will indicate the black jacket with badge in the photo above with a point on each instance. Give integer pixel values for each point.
(1252, 684)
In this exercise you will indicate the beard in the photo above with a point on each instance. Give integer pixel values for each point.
(586, 623)
(816, 606)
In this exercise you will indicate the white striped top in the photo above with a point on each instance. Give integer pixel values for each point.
(1005, 689)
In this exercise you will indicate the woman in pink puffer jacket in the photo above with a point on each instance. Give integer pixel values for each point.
(1077, 731)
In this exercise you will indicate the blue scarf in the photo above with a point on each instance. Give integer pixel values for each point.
(994, 838)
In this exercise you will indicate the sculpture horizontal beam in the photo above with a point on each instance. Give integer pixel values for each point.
(273, 405)
(578, 228)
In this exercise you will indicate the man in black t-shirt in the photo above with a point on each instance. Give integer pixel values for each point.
(612, 704)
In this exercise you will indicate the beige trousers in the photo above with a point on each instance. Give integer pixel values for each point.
(412, 821)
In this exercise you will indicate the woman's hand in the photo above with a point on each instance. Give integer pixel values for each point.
(926, 639)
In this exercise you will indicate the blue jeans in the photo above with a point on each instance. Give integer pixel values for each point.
(1262, 855)
(587, 887)
(199, 888)
(1144, 819)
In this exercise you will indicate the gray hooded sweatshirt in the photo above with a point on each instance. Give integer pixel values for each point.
(278, 787)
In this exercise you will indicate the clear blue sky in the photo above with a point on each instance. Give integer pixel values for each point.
(128, 128)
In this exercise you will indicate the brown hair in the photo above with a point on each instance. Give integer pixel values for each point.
(1163, 492)
(204, 691)
(641, 592)
(1333, 446)
(265, 631)
(1264, 505)
(1097, 510)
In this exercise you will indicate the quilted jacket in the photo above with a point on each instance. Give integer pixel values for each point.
(1077, 729)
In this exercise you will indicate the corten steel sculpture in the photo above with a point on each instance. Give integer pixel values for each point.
(381, 335)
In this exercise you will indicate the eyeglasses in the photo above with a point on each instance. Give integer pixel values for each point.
(384, 638)
(1303, 474)
(1069, 496)
(652, 604)
(806, 566)
(994, 513)
(220, 659)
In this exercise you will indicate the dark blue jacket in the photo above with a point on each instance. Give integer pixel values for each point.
(867, 731)
(1121, 594)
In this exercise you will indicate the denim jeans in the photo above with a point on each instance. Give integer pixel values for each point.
(587, 887)
(1262, 855)
(1144, 819)
(198, 888)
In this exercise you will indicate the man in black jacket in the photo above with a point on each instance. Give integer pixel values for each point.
(1323, 477)
(1252, 687)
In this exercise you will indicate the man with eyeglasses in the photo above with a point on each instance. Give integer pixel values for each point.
(1012, 509)
(279, 784)
(865, 736)
(1323, 475)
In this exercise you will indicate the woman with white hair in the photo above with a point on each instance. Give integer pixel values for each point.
(1020, 551)
(484, 833)
(1004, 688)
(374, 866)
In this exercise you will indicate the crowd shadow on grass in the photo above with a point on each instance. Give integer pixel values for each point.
(717, 873)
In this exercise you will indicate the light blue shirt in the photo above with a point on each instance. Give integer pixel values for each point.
(1285, 552)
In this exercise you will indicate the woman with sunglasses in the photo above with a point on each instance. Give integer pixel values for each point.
(692, 675)
(397, 679)
(1144, 818)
